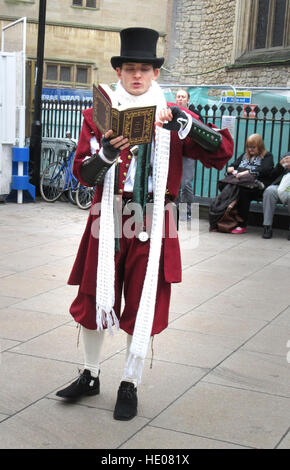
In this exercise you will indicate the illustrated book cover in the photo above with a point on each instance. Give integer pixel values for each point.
(135, 123)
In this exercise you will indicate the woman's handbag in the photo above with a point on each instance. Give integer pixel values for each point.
(284, 188)
(230, 219)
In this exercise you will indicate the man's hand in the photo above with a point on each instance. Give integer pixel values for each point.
(286, 162)
(172, 119)
(112, 148)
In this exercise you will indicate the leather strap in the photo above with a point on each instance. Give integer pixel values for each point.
(94, 169)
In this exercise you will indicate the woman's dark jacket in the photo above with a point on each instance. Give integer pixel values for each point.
(263, 172)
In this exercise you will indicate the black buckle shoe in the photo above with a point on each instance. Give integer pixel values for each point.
(84, 385)
(126, 405)
(267, 231)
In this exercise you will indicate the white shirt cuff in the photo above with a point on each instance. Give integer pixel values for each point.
(101, 154)
(183, 133)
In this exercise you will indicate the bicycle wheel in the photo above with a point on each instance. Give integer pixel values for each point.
(84, 196)
(72, 195)
(52, 182)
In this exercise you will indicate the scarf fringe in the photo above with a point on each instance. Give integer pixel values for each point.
(106, 319)
(134, 368)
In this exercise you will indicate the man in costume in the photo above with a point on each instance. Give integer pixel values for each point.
(142, 268)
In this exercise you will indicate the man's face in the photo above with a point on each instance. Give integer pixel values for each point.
(182, 98)
(136, 78)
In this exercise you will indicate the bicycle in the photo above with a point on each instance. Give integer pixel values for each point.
(58, 178)
(84, 196)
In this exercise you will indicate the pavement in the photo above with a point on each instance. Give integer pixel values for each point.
(220, 378)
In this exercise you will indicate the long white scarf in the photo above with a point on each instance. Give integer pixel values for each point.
(106, 268)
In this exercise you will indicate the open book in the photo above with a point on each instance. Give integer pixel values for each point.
(135, 123)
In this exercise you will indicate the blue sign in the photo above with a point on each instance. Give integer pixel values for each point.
(66, 94)
(241, 100)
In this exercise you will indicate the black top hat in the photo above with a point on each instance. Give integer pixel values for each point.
(138, 45)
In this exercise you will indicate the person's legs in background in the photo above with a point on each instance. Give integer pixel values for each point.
(270, 199)
(186, 193)
(246, 195)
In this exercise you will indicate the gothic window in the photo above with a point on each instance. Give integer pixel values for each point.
(270, 24)
(263, 31)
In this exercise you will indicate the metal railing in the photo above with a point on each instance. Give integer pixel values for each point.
(272, 123)
(62, 117)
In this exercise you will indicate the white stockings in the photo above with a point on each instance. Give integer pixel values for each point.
(93, 342)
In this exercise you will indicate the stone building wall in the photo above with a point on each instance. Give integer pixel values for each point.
(203, 42)
(86, 35)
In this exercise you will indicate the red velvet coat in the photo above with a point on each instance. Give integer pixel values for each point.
(85, 266)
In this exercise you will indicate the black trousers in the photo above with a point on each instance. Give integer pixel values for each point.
(247, 195)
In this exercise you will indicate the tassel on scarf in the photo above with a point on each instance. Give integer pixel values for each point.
(106, 319)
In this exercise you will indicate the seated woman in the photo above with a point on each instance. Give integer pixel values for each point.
(256, 161)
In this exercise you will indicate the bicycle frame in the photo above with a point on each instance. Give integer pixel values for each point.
(70, 181)
(73, 182)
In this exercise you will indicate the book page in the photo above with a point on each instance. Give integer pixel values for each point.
(111, 94)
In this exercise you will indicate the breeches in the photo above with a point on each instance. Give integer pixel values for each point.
(130, 270)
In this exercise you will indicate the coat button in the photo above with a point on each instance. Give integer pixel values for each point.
(129, 157)
(124, 181)
(124, 174)
(120, 191)
(127, 165)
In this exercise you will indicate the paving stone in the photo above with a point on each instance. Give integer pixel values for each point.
(285, 443)
(56, 301)
(273, 339)
(29, 258)
(21, 325)
(6, 344)
(239, 416)
(222, 263)
(50, 424)
(18, 285)
(283, 319)
(158, 438)
(59, 270)
(217, 324)
(6, 301)
(254, 371)
(25, 379)
(197, 287)
(194, 349)
(237, 305)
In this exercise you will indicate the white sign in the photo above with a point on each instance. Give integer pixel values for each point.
(228, 122)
